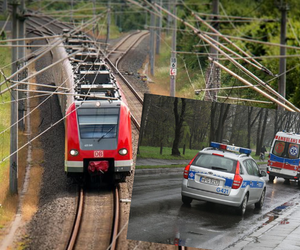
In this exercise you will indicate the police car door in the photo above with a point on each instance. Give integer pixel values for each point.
(253, 180)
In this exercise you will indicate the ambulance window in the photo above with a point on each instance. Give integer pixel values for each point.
(293, 151)
(278, 149)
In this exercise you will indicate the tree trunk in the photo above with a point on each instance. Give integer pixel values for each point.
(179, 118)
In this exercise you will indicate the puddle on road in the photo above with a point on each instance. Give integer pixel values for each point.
(276, 212)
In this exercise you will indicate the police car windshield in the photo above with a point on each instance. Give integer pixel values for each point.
(286, 149)
(215, 162)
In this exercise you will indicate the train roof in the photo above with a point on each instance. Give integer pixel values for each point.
(93, 80)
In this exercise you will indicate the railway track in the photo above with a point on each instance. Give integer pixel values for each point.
(103, 228)
(90, 220)
(114, 57)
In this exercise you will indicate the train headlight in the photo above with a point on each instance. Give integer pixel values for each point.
(74, 152)
(123, 151)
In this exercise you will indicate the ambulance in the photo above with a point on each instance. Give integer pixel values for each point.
(284, 157)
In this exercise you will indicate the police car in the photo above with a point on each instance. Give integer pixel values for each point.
(226, 175)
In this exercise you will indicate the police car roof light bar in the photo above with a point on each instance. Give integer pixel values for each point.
(246, 151)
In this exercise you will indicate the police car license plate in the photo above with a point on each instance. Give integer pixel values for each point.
(210, 181)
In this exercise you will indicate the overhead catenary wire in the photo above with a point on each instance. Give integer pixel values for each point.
(38, 72)
(55, 43)
(29, 39)
(50, 95)
(254, 62)
(40, 55)
(291, 107)
(243, 99)
(16, 84)
(6, 21)
(225, 88)
(253, 40)
(252, 86)
(72, 94)
(22, 99)
(238, 17)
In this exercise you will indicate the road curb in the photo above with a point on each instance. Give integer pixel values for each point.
(254, 237)
(158, 171)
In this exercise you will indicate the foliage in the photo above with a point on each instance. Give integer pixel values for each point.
(266, 31)
(160, 166)
(154, 153)
(243, 126)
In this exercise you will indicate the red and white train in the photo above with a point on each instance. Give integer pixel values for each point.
(98, 141)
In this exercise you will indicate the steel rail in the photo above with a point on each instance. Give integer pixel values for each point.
(120, 43)
(129, 48)
(136, 123)
(116, 219)
(30, 21)
(77, 222)
(139, 98)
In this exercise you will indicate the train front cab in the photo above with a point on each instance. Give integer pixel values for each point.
(98, 141)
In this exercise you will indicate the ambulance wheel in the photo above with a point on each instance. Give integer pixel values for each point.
(299, 182)
(271, 178)
(186, 200)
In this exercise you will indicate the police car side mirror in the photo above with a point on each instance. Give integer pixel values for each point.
(262, 173)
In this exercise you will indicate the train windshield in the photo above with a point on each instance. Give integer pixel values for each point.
(98, 123)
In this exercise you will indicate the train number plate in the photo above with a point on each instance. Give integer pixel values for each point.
(210, 181)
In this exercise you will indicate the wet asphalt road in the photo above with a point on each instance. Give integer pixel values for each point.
(158, 215)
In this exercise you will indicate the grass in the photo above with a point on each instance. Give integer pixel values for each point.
(8, 202)
(186, 81)
(160, 166)
(154, 153)
(30, 203)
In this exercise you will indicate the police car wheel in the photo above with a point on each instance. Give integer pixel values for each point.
(186, 200)
(242, 207)
(260, 203)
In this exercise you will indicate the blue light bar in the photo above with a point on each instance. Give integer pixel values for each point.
(231, 148)
(246, 151)
(215, 144)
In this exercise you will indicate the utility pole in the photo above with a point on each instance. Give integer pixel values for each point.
(282, 63)
(108, 25)
(21, 55)
(13, 172)
(173, 68)
(213, 72)
(158, 30)
(72, 9)
(169, 18)
(152, 44)
(94, 15)
(4, 6)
